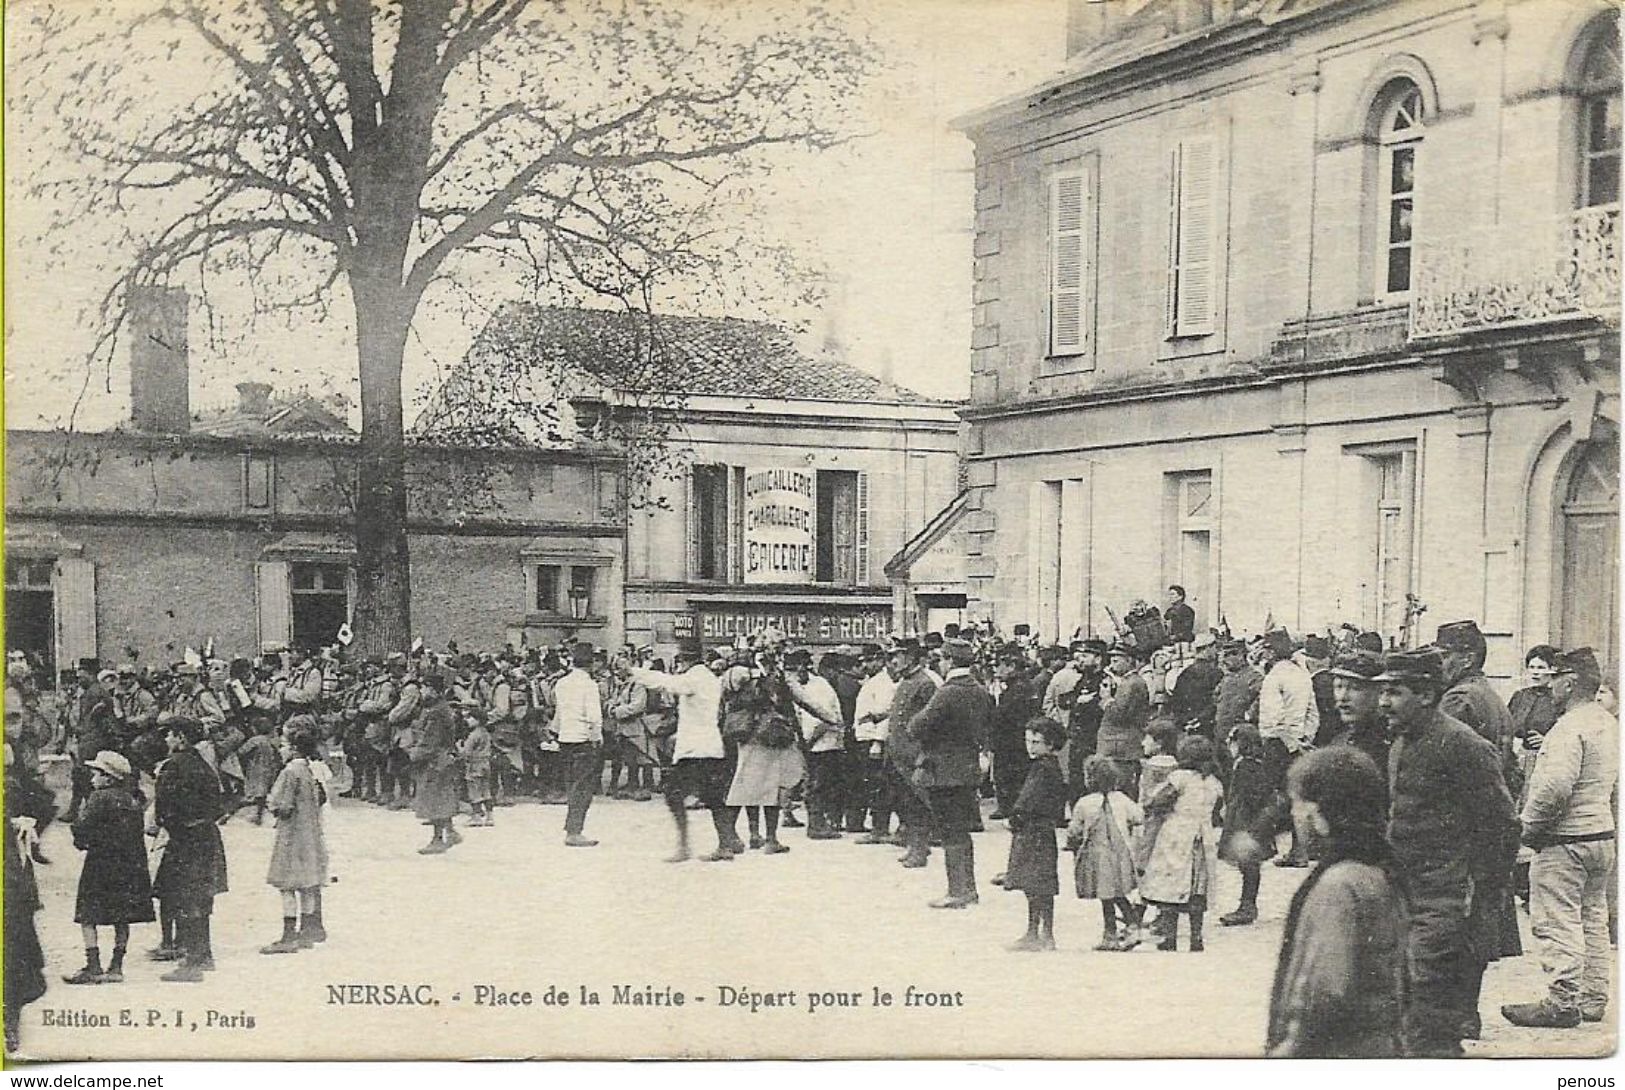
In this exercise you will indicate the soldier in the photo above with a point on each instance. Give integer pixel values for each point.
(1453, 850)
(1470, 697)
(913, 693)
(303, 693)
(1354, 695)
(93, 730)
(401, 721)
(372, 764)
(949, 730)
(1016, 705)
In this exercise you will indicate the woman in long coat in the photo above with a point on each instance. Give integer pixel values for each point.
(770, 760)
(434, 761)
(187, 804)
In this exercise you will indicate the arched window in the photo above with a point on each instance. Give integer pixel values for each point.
(1399, 139)
(1600, 117)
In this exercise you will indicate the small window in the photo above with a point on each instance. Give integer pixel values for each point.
(29, 574)
(547, 588)
(711, 514)
(258, 477)
(1600, 119)
(583, 582)
(321, 602)
(1399, 138)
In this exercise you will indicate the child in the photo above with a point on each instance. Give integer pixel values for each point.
(1160, 746)
(299, 857)
(261, 763)
(475, 749)
(1180, 869)
(1102, 834)
(1038, 809)
(1339, 978)
(114, 887)
(1246, 805)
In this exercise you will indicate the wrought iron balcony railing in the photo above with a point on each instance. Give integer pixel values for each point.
(1521, 273)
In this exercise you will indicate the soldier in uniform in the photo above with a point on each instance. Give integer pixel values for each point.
(1454, 835)
(913, 693)
(93, 729)
(402, 722)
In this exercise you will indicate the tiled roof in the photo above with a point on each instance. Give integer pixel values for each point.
(688, 355)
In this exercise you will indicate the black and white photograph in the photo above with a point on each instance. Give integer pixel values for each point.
(812, 529)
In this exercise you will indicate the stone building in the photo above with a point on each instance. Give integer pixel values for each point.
(1311, 306)
(793, 477)
(234, 527)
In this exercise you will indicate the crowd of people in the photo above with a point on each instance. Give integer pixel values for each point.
(1425, 803)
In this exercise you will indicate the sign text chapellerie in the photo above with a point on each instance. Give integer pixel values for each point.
(780, 526)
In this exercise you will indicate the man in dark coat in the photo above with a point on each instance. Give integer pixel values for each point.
(1317, 659)
(1125, 709)
(950, 730)
(1454, 835)
(434, 763)
(94, 730)
(1193, 703)
(1235, 701)
(914, 691)
(187, 804)
(1470, 697)
(1355, 693)
(1179, 616)
(1017, 703)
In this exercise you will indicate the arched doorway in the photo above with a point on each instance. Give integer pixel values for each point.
(1588, 552)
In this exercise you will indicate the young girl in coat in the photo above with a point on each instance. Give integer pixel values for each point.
(475, 749)
(114, 888)
(1181, 868)
(1041, 806)
(1247, 802)
(1104, 824)
(299, 857)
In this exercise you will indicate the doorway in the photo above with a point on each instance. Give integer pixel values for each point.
(1588, 576)
(31, 614)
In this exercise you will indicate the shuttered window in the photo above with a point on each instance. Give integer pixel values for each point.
(75, 610)
(863, 529)
(1193, 239)
(274, 600)
(1069, 302)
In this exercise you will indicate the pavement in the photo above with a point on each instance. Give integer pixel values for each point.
(496, 949)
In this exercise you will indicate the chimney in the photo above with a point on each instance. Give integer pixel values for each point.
(160, 382)
(254, 399)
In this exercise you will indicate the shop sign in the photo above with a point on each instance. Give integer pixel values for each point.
(780, 523)
(798, 623)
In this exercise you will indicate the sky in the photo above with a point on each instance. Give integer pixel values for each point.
(887, 218)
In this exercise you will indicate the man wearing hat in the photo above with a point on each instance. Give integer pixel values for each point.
(1470, 697)
(870, 729)
(304, 690)
(1317, 661)
(1015, 705)
(1125, 709)
(949, 731)
(1192, 704)
(914, 691)
(1454, 837)
(187, 804)
(818, 713)
(578, 724)
(401, 719)
(1354, 698)
(1061, 689)
(1568, 819)
(1288, 720)
(93, 731)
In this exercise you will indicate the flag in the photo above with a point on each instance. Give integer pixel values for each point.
(191, 657)
(208, 649)
(417, 646)
(345, 635)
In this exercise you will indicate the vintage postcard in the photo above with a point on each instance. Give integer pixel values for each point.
(810, 529)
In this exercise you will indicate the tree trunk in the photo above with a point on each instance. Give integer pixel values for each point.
(383, 606)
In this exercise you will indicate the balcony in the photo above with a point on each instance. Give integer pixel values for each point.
(1519, 274)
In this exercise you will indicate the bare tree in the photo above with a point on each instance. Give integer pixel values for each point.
(385, 151)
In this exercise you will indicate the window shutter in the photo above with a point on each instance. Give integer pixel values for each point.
(1069, 219)
(1194, 242)
(75, 592)
(692, 522)
(736, 524)
(863, 529)
(275, 603)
